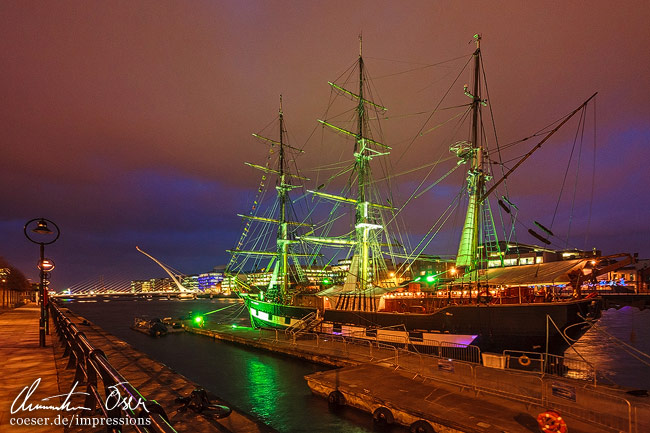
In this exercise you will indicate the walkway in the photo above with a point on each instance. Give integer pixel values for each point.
(22, 362)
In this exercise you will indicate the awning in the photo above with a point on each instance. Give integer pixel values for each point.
(549, 273)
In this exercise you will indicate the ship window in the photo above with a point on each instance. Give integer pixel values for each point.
(539, 259)
(287, 320)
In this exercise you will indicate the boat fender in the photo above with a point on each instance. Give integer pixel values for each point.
(383, 416)
(524, 360)
(335, 399)
(421, 426)
(551, 422)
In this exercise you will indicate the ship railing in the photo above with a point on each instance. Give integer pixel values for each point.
(104, 384)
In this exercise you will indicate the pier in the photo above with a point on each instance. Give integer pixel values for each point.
(449, 395)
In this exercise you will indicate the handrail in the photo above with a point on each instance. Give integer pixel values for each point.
(90, 364)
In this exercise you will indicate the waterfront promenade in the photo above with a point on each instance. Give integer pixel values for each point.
(22, 361)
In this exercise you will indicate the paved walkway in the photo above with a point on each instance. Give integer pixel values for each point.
(22, 362)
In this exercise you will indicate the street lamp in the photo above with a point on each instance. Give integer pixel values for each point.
(43, 236)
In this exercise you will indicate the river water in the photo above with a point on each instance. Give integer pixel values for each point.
(272, 388)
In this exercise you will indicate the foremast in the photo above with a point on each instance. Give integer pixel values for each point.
(280, 278)
(279, 284)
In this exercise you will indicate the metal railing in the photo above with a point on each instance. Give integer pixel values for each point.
(104, 384)
(582, 400)
(546, 363)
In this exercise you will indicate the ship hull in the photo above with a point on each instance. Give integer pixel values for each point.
(493, 328)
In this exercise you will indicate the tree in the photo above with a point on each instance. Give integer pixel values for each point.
(15, 279)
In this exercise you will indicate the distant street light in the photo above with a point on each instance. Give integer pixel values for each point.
(43, 236)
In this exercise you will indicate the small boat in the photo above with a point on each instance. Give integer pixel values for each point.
(152, 327)
(173, 325)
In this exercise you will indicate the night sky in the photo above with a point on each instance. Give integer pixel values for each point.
(128, 122)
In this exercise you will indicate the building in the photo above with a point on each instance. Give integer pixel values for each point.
(210, 281)
(635, 276)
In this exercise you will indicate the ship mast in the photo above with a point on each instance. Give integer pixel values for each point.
(362, 223)
(364, 242)
(467, 258)
(283, 232)
(278, 288)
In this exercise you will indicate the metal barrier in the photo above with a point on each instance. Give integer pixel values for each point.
(546, 363)
(581, 400)
(104, 383)
(564, 397)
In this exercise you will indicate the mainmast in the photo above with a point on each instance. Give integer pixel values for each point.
(364, 242)
(467, 258)
(362, 221)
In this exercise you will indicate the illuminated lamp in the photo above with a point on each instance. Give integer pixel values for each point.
(42, 228)
(46, 265)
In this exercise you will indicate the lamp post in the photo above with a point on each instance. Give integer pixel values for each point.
(43, 236)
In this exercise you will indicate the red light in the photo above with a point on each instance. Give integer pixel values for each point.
(46, 265)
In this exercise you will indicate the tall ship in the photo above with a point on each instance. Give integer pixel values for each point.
(390, 295)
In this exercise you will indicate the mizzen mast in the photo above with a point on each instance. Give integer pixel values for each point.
(467, 257)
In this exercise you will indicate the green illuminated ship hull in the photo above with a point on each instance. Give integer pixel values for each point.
(492, 328)
(270, 315)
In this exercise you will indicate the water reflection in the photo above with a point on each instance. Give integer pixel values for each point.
(612, 344)
(270, 387)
